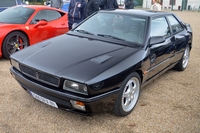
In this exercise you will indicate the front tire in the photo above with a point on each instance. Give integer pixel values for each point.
(128, 96)
(14, 42)
(183, 62)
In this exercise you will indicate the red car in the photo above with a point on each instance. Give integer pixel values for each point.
(25, 25)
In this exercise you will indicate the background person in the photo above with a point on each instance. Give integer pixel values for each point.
(91, 7)
(156, 5)
(76, 12)
(57, 4)
(129, 4)
(108, 4)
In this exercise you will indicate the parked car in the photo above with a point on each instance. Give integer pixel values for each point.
(4, 4)
(22, 26)
(65, 6)
(104, 61)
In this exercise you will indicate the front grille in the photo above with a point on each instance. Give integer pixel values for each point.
(40, 76)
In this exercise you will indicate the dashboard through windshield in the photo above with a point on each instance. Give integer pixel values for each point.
(115, 26)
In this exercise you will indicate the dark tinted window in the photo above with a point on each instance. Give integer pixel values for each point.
(159, 27)
(53, 15)
(16, 15)
(117, 26)
(7, 3)
(47, 15)
(41, 15)
(176, 26)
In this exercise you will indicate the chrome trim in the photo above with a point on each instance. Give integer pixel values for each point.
(150, 69)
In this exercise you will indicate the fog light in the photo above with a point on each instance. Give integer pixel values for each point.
(78, 105)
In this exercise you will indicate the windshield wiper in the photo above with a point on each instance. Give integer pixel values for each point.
(114, 37)
(109, 36)
(84, 32)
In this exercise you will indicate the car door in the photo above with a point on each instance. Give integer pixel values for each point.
(180, 36)
(161, 54)
(53, 27)
(58, 21)
(41, 32)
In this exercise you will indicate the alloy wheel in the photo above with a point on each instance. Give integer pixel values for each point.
(130, 94)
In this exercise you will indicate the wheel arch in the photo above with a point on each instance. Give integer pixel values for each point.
(17, 31)
(190, 40)
(141, 75)
(190, 45)
(1, 48)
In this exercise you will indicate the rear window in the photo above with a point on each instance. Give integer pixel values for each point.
(7, 3)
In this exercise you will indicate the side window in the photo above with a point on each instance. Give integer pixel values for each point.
(47, 15)
(176, 26)
(41, 15)
(159, 27)
(53, 15)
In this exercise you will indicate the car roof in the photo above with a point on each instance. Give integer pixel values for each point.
(37, 6)
(144, 13)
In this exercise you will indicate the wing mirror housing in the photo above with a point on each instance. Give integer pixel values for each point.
(40, 23)
(156, 40)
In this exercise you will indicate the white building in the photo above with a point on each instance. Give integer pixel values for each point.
(178, 4)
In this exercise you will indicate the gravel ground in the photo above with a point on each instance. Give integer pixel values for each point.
(171, 104)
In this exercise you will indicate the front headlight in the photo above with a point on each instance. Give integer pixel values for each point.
(75, 87)
(15, 64)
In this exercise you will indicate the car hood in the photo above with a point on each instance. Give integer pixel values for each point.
(72, 57)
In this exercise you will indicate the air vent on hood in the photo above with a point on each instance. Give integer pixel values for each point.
(101, 59)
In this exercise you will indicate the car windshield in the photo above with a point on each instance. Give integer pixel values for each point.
(7, 3)
(116, 26)
(16, 15)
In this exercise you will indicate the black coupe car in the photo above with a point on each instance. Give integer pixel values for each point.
(104, 61)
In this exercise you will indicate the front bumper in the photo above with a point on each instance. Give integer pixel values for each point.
(96, 104)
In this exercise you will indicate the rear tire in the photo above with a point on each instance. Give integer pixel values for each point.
(128, 96)
(14, 42)
(183, 62)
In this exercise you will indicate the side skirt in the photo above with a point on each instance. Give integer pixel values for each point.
(158, 74)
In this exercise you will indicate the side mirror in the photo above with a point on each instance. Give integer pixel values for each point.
(40, 23)
(156, 40)
(74, 25)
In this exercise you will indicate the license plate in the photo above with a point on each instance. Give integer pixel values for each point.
(44, 100)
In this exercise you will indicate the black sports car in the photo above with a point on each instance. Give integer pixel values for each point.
(104, 61)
